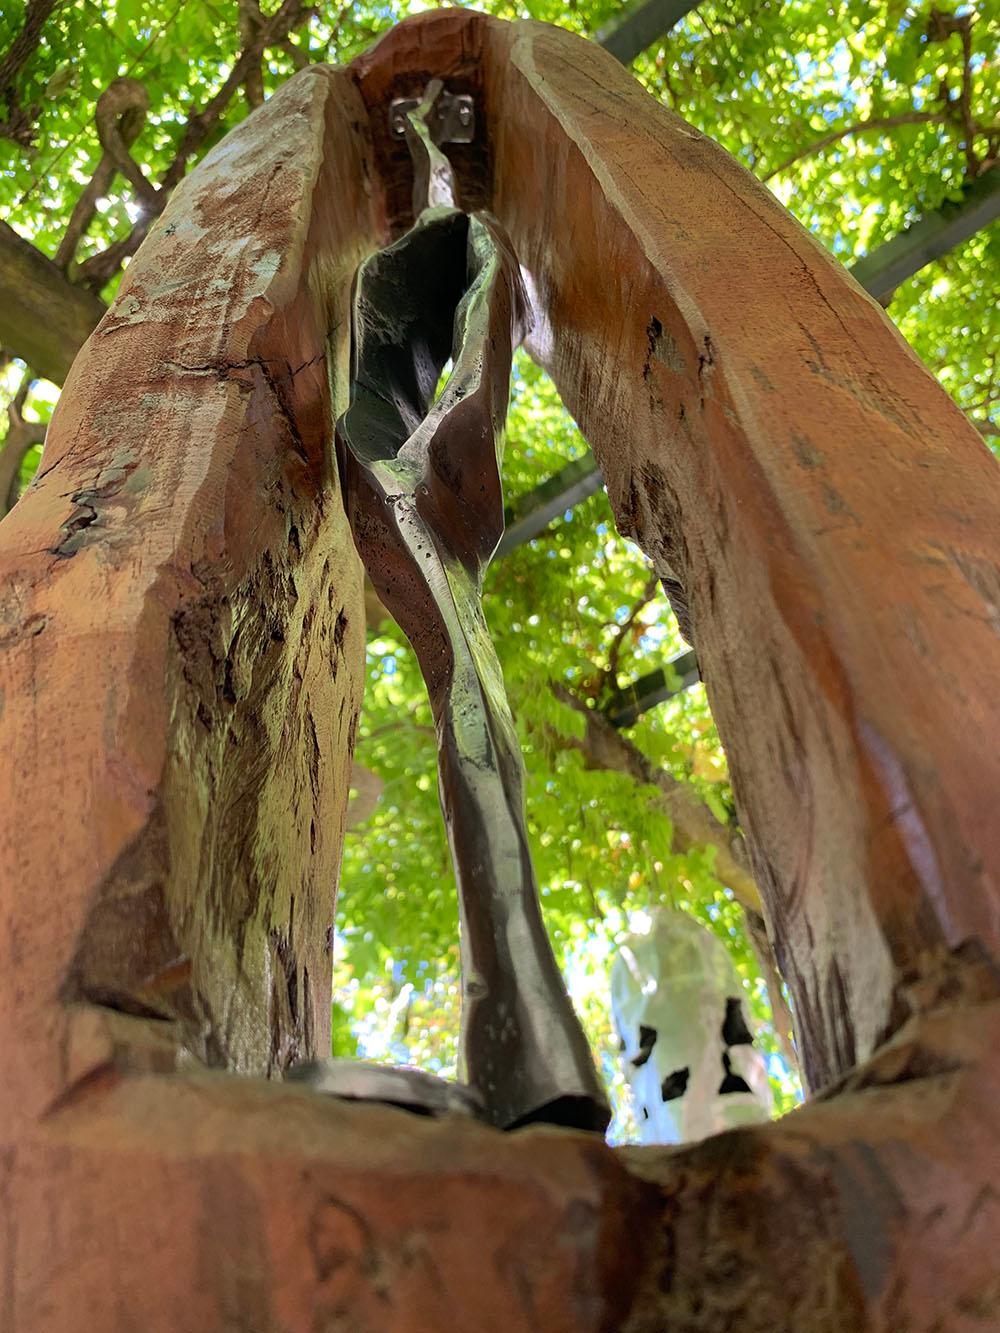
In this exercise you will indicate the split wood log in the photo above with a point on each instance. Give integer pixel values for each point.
(181, 631)
(177, 589)
(828, 517)
(821, 509)
(863, 575)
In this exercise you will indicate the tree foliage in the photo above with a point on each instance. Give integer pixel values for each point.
(859, 115)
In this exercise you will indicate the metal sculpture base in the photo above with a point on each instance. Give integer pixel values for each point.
(390, 1085)
(421, 1093)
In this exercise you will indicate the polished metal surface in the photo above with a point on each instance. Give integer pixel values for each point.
(422, 486)
(395, 1085)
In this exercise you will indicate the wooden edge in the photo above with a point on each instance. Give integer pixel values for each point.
(825, 513)
(182, 626)
(198, 1201)
(218, 1202)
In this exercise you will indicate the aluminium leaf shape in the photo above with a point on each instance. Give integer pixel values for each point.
(422, 488)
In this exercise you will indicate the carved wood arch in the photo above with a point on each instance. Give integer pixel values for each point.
(180, 649)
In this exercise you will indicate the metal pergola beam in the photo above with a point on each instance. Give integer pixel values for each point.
(930, 237)
(638, 30)
(569, 486)
(655, 688)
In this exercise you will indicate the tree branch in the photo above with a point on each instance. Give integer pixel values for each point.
(940, 27)
(300, 59)
(335, 30)
(862, 127)
(84, 210)
(251, 20)
(94, 272)
(955, 111)
(288, 17)
(120, 115)
(44, 319)
(21, 436)
(648, 595)
(20, 123)
(101, 267)
(693, 823)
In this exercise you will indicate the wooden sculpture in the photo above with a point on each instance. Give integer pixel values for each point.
(181, 659)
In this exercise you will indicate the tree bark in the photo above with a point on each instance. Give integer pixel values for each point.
(44, 319)
(19, 122)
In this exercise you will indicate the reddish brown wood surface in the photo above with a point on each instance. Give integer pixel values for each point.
(831, 517)
(209, 1204)
(181, 631)
(180, 649)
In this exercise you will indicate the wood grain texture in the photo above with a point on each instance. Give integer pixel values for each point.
(181, 621)
(181, 630)
(829, 518)
(872, 1209)
(204, 1203)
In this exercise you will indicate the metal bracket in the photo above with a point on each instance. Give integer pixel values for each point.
(452, 120)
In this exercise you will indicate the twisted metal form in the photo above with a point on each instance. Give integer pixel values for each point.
(423, 492)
